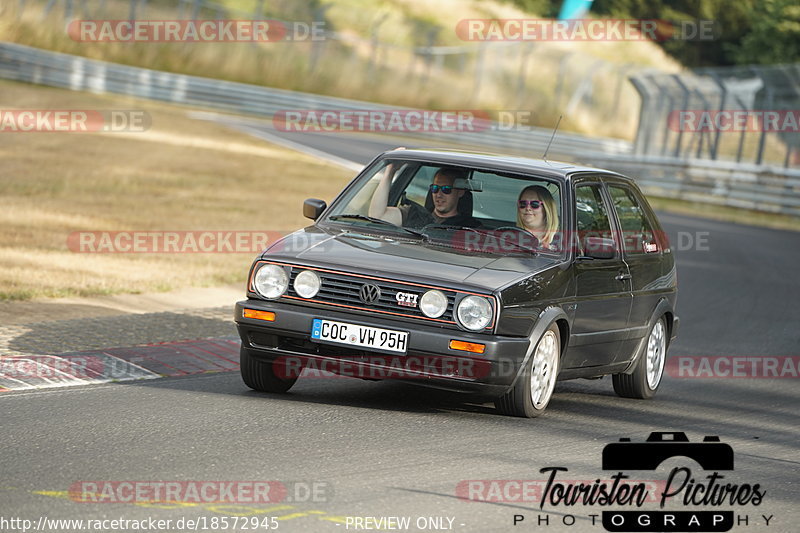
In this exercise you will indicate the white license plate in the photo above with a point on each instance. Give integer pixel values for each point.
(355, 335)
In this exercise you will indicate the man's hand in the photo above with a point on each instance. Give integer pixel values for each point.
(378, 207)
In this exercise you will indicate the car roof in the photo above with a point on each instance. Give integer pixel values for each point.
(539, 167)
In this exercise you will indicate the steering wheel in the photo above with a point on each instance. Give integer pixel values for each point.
(523, 231)
(517, 228)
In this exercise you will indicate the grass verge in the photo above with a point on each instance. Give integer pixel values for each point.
(726, 214)
(181, 174)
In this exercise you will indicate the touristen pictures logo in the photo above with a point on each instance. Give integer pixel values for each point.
(708, 499)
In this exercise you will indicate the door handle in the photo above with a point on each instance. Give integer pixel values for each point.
(622, 276)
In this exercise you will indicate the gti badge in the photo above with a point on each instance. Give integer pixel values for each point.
(406, 299)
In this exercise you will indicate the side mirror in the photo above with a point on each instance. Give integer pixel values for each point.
(313, 208)
(599, 248)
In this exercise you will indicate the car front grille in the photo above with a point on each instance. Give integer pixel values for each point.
(343, 290)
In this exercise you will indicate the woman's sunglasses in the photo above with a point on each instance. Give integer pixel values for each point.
(535, 204)
(446, 189)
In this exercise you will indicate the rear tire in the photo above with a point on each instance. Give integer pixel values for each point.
(260, 375)
(531, 393)
(643, 382)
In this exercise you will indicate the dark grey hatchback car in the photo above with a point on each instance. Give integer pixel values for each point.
(469, 272)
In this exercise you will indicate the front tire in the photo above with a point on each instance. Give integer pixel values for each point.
(643, 382)
(531, 394)
(260, 375)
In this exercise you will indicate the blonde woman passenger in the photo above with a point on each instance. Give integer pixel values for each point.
(537, 213)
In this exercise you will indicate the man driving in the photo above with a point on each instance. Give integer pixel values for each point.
(444, 194)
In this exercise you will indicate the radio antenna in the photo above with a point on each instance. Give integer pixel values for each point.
(544, 157)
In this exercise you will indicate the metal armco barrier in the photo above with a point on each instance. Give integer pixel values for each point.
(761, 187)
(33, 65)
(772, 189)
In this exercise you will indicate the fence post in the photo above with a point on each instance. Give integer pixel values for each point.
(585, 87)
(723, 98)
(562, 72)
(476, 85)
(665, 141)
(316, 46)
(621, 77)
(47, 8)
(704, 135)
(374, 44)
(684, 105)
(762, 140)
(428, 51)
(525, 54)
(196, 9)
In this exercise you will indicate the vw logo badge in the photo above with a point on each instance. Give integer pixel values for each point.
(369, 293)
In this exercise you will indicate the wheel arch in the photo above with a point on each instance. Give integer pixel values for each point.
(546, 319)
(662, 308)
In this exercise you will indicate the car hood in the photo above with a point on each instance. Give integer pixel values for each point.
(404, 258)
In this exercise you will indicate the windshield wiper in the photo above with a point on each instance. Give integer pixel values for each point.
(483, 232)
(451, 227)
(380, 221)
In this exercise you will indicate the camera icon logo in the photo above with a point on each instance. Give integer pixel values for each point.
(711, 454)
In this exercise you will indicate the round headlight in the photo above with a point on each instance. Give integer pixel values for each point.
(307, 284)
(271, 281)
(474, 312)
(433, 304)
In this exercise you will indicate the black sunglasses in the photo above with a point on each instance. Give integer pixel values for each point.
(535, 204)
(446, 189)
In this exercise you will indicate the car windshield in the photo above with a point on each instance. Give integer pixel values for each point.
(470, 209)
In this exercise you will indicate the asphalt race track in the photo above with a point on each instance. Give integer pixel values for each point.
(349, 448)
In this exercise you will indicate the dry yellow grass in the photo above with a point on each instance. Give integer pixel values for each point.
(402, 78)
(726, 214)
(181, 174)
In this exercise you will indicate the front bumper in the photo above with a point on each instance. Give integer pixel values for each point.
(429, 360)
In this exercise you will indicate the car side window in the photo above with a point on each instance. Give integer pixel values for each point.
(591, 214)
(638, 236)
(417, 190)
(590, 210)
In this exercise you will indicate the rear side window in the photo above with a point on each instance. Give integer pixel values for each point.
(638, 236)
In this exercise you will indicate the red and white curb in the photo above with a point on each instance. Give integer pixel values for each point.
(149, 361)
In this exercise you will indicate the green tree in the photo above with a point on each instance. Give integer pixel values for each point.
(774, 35)
(729, 20)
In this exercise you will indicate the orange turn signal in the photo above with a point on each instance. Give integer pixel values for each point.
(261, 315)
(467, 346)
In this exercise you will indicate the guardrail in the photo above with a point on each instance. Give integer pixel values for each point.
(767, 188)
(761, 187)
(32, 65)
